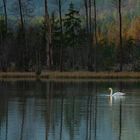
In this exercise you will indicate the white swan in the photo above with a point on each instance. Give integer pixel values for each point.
(116, 93)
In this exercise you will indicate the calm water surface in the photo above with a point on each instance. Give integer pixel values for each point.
(38, 110)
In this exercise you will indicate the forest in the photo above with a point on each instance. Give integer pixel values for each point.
(90, 35)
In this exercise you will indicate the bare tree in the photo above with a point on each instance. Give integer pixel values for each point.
(48, 36)
(120, 34)
(5, 14)
(90, 16)
(90, 67)
(23, 10)
(22, 30)
(3, 36)
(61, 35)
(118, 5)
(87, 19)
(95, 35)
(59, 4)
(21, 15)
(88, 5)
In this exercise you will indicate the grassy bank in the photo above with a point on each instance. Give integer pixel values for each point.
(71, 75)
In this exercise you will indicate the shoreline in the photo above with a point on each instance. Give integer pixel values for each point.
(69, 75)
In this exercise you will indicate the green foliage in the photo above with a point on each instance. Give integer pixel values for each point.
(106, 57)
(129, 48)
(28, 47)
(56, 33)
(136, 58)
(72, 26)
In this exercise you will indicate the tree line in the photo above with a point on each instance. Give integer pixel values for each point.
(68, 41)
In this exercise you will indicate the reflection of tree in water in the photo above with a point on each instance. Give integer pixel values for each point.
(22, 86)
(22, 118)
(74, 104)
(4, 113)
(91, 112)
(95, 112)
(88, 116)
(120, 120)
(54, 113)
(49, 107)
(22, 91)
(64, 109)
(61, 118)
(4, 108)
(69, 113)
(6, 135)
(72, 109)
(45, 92)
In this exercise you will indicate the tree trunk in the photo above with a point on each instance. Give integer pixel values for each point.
(87, 20)
(90, 59)
(4, 39)
(48, 36)
(23, 43)
(61, 37)
(90, 17)
(95, 36)
(21, 16)
(120, 36)
(88, 31)
(5, 14)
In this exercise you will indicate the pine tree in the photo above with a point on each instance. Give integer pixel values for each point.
(72, 26)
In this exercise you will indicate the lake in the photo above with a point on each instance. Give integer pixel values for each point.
(69, 110)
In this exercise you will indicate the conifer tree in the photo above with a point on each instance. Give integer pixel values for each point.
(72, 26)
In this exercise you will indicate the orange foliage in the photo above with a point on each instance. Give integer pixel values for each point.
(130, 30)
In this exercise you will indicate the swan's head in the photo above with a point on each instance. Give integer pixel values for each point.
(110, 89)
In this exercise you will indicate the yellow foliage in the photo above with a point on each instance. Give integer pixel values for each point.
(113, 33)
(134, 30)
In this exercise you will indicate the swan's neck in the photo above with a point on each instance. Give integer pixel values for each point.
(111, 92)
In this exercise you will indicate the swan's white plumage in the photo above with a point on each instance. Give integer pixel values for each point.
(116, 93)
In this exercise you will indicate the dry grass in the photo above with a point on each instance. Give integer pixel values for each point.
(71, 75)
(94, 75)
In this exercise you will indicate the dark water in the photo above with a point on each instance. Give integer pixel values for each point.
(69, 111)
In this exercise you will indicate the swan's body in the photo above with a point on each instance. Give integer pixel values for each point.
(116, 93)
